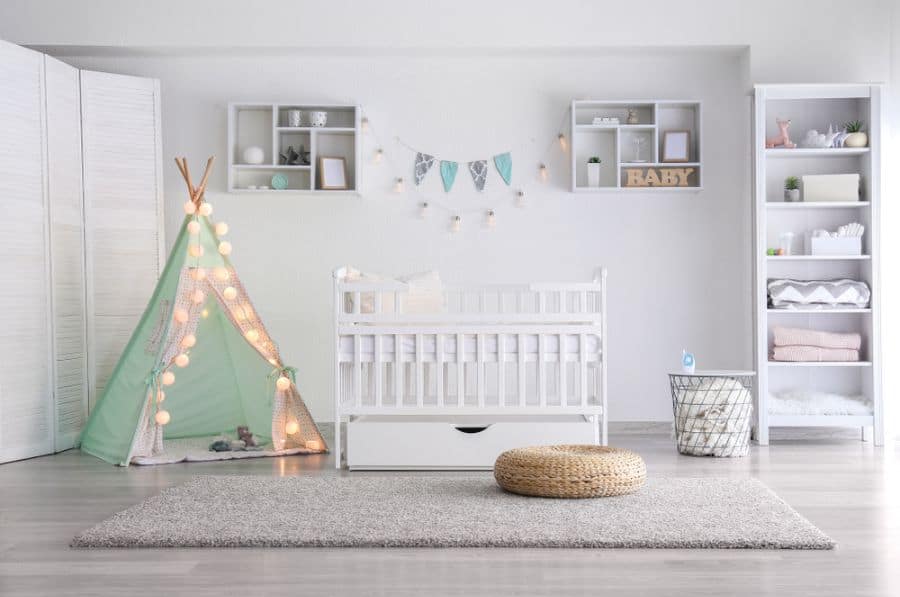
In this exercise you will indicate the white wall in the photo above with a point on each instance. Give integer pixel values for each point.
(467, 79)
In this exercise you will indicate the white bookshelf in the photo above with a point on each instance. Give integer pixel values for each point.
(614, 143)
(815, 107)
(265, 125)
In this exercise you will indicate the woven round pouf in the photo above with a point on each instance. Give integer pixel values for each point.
(570, 471)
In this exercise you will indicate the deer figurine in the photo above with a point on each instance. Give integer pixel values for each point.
(783, 139)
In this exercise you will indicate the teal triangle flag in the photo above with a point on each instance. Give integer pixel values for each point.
(448, 174)
(503, 163)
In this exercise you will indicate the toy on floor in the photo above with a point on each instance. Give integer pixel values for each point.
(245, 441)
(782, 139)
(244, 434)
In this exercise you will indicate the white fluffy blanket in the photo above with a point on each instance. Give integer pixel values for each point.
(809, 402)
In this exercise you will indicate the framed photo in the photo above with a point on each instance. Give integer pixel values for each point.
(676, 146)
(332, 174)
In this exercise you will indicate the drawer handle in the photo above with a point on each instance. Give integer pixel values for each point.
(472, 429)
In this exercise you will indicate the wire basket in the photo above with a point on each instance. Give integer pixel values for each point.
(712, 413)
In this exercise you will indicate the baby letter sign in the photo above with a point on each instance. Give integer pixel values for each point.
(657, 177)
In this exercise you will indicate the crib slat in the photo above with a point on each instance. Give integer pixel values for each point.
(377, 303)
(357, 370)
(460, 371)
(479, 367)
(501, 370)
(379, 373)
(563, 307)
(356, 302)
(541, 369)
(582, 366)
(520, 349)
(563, 390)
(420, 382)
(542, 301)
(439, 368)
(398, 371)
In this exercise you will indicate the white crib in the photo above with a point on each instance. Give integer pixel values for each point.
(494, 367)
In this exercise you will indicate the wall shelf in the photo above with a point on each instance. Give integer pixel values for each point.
(616, 144)
(264, 125)
(816, 109)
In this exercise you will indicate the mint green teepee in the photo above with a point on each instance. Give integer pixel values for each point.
(200, 361)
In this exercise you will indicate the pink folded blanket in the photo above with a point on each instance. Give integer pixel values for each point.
(803, 354)
(804, 337)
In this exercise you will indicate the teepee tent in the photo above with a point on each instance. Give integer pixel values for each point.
(199, 364)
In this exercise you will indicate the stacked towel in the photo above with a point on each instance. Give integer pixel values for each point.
(802, 345)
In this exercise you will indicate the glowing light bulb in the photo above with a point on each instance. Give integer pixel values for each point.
(364, 124)
(163, 417)
(283, 383)
(221, 274)
(273, 362)
(160, 396)
(543, 172)
(423, 210)
(206, 209)
(225, 248)
(168, 378)
(491, 219)
(181, 315)
(193, 227)
(292, 427)
(182, 360)
(189, 341)
(562, 142)
(198, 273)
(251, 335)
(520, 199)
(221, 229)
(195, 250)
(230, 293)
(189, 208)
(379, 155)
(198, 296)
(398, 185)
(313, 444)
(204, 313)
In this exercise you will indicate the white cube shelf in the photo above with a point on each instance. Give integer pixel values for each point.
(622, 147)
(265, 125)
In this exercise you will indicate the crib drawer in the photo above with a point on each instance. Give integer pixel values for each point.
(414, 442)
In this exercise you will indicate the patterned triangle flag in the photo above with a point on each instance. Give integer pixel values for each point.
(448, 174)
(424, 162)
(478, 170)
(503, 163)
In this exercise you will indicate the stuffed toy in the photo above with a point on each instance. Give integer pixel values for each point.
(244, 434)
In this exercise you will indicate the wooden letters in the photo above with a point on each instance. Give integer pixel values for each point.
(657, 177)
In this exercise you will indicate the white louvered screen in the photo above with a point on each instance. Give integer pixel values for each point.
(122, 196)
(66, 248)
(26, 404)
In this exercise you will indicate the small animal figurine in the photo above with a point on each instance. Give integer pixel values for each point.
(783, 139)
(687, 362)
(632, 117)
(244, 434)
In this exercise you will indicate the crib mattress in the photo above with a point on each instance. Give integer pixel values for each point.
(510, 344)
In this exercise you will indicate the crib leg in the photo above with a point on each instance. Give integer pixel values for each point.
(337, 443)
(865, 434)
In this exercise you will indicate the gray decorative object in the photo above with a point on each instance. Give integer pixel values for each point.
(478, 170)
(395, 510)
(424, 162)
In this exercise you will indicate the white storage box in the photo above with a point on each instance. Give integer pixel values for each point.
(831, 187)
(842, 245)
(431, 443)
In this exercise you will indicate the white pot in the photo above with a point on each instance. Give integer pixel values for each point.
(593, 175)
(792, 195)
(317, 119)
(856, 140)
(254, 155)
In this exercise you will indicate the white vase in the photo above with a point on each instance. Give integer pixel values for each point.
(593, 175)
(254, 155)
(856, 140)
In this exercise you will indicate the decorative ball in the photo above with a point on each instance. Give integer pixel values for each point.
(252, 335)
(221, 273)
(195, 250)
(230, 293)
(189, 208)
(193, 227)
(189, 341)
(198, 296)
(181, 316)
(279, 182)
(225, 248)
(182, 360)
(198, 273)
(205, 209)
(160, 396)
(168, 378)
(204, 313)
(292, 427)
(283, 383)
(254, 155)
(163, 417)
(221, 229)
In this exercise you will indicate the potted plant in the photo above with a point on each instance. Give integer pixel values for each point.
(593, 171)
(792, 189)
(855, 137)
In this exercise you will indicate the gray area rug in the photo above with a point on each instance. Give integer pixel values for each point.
(362, 510)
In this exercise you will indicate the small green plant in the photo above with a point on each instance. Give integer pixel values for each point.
(594, 160)
(853, 126)
(791, 183)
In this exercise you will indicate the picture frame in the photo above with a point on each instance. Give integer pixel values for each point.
(332, 173)
(676, 146)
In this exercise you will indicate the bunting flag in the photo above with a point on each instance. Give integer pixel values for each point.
(478, 170)
(424, 162)
(448, 174)
(503, 163)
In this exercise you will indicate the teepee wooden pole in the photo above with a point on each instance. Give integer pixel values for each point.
(196, 193)
(203, 181)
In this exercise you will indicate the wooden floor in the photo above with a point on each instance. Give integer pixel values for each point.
(848, 488)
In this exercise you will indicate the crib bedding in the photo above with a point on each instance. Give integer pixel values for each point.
(510, 344)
